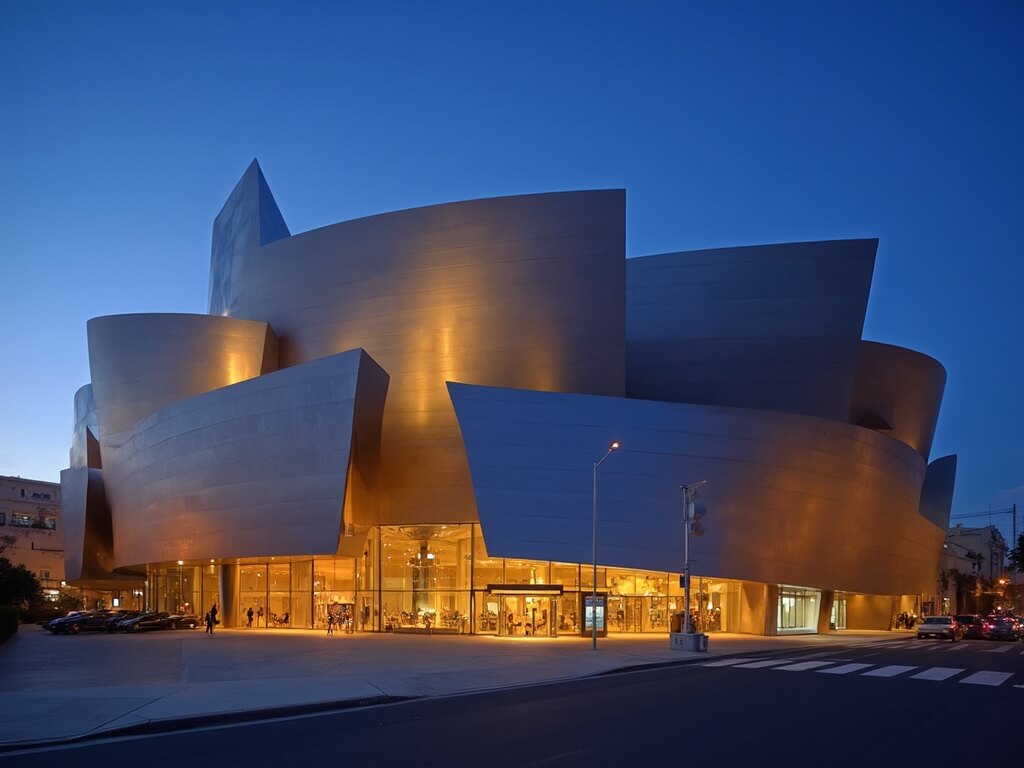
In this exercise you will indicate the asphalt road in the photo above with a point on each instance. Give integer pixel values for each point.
(900, 700)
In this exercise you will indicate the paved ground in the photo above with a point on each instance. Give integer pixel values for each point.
(58, 688)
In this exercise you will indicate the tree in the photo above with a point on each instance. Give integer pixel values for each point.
(19, 587)
(1016, 555)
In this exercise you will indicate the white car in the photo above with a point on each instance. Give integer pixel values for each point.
(942, 627)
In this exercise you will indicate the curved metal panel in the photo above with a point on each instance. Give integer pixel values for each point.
(258, 468)
(792, 499)
(250, 218)
(88, 535)
(85, 446)
(140, 363)
(519, 291)
(775, 327)
(900, 391)
(937, 493)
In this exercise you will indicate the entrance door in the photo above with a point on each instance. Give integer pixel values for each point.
(527, 616)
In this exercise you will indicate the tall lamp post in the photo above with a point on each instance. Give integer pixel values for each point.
(689, 519)
(614, 446)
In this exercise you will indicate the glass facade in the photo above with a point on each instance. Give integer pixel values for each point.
(438, 579)
(798, 610)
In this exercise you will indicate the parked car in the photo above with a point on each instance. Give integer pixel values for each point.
(145, 621)
(184, 622)
(973, 626)
(86, 621)
(942, 627)
(999, 628)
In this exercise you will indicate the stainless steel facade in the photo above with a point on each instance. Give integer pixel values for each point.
(467, 363)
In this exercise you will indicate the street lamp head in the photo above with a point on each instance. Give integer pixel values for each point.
(614, 446)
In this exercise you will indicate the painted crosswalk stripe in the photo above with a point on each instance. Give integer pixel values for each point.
(987, 678)
(937, 673)
(763, 664)
(845, 669)
(959, 647)
(804, 666)
(1002, 649)
(890, 671)
(724, 662)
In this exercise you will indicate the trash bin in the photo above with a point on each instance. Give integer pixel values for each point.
(677, 622)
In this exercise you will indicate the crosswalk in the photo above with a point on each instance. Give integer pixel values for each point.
(815, 663)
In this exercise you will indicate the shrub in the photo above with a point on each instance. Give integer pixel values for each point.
(8, 622)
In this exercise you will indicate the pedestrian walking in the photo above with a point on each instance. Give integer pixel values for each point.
(211, 618)
(248, 615)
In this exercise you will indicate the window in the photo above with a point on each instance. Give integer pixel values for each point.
(44, 574)
(21, 521)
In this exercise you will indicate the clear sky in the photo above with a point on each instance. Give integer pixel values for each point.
(124, 126)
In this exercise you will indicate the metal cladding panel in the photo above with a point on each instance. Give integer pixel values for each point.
(141, 363)
(937, 493)
(85, 519)
(775, 327)
(523, 291)
(899, 389)
(85, 446)
(792, 499)
(258, 468)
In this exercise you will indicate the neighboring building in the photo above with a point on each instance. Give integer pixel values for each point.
(985, 546)
(397, 419)
(30, 515)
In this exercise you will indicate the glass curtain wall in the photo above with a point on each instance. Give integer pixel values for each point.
(435, 578)
(798, 610)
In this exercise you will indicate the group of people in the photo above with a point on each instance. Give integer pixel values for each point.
(342, 620)
(249, 616)
(906, 620)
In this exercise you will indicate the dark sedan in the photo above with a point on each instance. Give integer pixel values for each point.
(999, 628)
(86, 621)
(972, 625)
(151, 621)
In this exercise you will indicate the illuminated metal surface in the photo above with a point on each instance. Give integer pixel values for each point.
(140, 363)
(254, 469)
(937, 493)
(85, 519)
(899, 391)
(776, 327)
(523, 291)
(85, 445)
(792, 499)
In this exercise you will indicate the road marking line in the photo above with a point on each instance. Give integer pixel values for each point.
(890, 671)
(845, 669)
(937, 673)
(1003, 649)
(804, 665)
(987, 678)
(762, 664)
(958, 647)
(724, 662)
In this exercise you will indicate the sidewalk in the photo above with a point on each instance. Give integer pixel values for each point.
(61, 688)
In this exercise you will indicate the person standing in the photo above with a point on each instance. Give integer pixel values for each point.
(330, 623)
(211, 618)
(248, 615)
(259, 615)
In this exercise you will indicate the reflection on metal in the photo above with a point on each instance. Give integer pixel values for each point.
(899, 391)
(254, 469)
(775, 327)
(524, 291)
(937, 493)
(85, 518)
(85, 446)
(797, 499)
(140, 363)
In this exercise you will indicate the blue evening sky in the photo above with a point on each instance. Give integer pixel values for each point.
(125, 125)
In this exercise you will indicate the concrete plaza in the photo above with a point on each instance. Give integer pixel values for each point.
(62, 688)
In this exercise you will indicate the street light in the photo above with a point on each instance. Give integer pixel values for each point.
(593, 606)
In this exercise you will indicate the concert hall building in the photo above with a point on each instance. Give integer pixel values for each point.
(395, 420)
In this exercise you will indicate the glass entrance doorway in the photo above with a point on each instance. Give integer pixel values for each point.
(527, 616)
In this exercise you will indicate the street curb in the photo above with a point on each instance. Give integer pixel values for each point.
(170, 725)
